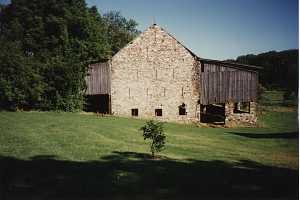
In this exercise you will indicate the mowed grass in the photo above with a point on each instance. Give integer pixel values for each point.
(80, 137)
(86, 138)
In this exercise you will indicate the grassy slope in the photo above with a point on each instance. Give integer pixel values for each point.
(87, 137)
(48, 155)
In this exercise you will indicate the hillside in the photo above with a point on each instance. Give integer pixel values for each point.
(280, 69)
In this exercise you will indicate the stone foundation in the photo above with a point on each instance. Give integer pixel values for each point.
(232, 118)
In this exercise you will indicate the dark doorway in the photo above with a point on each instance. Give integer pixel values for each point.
(212, 113)
(99, 103)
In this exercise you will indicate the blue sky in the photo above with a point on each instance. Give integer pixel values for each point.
(217, 29)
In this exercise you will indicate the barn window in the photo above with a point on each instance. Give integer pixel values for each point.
(182, 109)
(242, 107)
(134, 112)
(158, 112)
(202, 67)
(245, 107)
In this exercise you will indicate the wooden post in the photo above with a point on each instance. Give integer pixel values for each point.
(109, 104)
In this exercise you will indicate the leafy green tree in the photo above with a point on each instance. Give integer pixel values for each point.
(154, 131)
(45, 48)
(120, 31)
(21, 85)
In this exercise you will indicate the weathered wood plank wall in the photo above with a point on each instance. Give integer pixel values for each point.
(209, 67)
(224, 86)
(98, 80)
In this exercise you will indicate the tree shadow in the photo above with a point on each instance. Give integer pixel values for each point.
(130, 175)
(288, 135)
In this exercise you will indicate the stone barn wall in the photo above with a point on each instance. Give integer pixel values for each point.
(232, 119)
(155, 72)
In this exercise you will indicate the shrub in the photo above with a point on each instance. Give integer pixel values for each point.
(155, 132)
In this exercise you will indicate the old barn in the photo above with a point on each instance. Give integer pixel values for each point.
(155, 76)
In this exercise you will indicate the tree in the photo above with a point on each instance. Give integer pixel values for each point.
(21, 85)
(280, 69)
(120, 31)
(155, 132)
(46, 47)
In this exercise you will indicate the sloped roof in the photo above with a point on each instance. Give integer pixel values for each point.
(231, 64)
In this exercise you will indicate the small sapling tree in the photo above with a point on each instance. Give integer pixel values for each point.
(155, 132)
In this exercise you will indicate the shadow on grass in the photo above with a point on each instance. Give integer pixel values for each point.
(129, 175)
(288, 135)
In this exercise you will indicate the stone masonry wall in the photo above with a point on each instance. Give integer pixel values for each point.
(155, 72)
(232, 118)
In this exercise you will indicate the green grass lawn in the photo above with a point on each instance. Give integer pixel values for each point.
(56, 155)
(81, 137)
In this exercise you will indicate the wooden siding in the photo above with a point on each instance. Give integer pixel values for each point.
(98, 79)
(208, 67)
(224, 86)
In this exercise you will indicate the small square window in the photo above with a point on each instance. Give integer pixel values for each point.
(241, 107)
(134, 112)
(158, 112)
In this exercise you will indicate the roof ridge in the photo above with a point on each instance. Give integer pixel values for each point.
(167, 32)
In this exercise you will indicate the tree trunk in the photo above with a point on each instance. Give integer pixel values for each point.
(152, 151)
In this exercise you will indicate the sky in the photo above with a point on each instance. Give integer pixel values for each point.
(217, 29)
